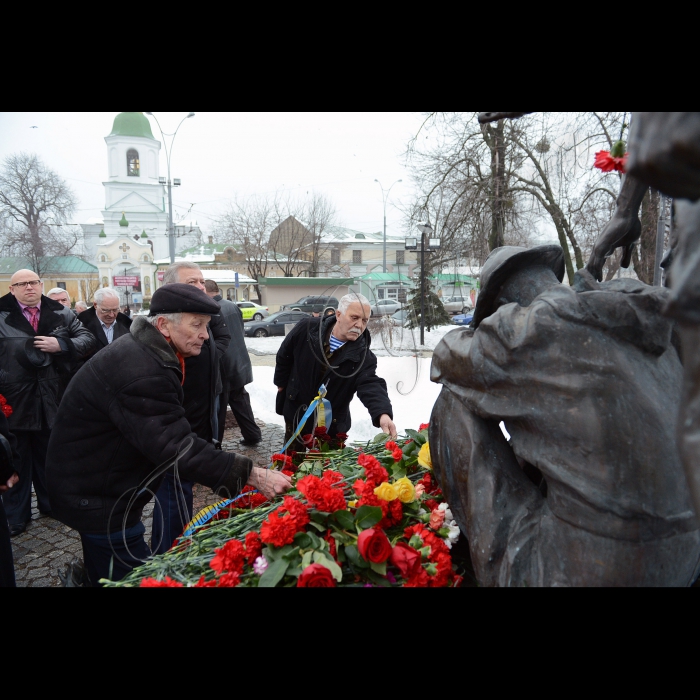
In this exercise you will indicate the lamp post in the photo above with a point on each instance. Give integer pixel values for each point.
(168, 154)
(385, 197)
(433, 245)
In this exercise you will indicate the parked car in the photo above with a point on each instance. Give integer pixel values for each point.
(385, 307)
(251, 310)
(400, 317)
(463, 319)
(273, 324)
(457, 305)
(314, 304)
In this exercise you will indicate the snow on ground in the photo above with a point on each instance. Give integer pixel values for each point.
(401, 341)
(411, 392)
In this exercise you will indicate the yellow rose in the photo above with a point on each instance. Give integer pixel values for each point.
(387, 492)
(407, 493)
(424, 456)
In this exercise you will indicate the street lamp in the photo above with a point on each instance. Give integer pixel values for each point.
(385, 197)
(433, 244)
(171, 232)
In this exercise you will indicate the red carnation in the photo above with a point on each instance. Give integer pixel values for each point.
(253, 547)
(419, 579)
(395, 450)
(316, 576)
(230, 580)
(321, 496)
(297, 510)
(5, 407)
(374, 471)
(167, 582)
(278, 531)
(615, 159)
(230, 557)
(374, 545)
(423, 426)
(405, 559)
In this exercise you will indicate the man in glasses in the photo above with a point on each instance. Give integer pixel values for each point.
(104, 320)
(39, 339)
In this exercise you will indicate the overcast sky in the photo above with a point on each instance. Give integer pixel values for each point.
(220, 155)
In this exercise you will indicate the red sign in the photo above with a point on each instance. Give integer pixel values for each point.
(125, 281)
(161, 274)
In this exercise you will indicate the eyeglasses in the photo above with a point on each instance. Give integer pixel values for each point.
(108, 312)
(31, 283)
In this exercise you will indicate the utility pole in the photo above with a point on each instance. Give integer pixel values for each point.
(385, 198)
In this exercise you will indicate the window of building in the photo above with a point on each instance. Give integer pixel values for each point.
(335, 257)
(62, 285)
(357, 257)
(132, 163)
(400, 257)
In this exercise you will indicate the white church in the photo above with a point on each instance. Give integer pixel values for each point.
(133, 230)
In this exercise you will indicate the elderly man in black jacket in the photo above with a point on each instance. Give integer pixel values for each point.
(104, 320)
(122, 425)
(236, 370)
(40, 340)
(333, 351)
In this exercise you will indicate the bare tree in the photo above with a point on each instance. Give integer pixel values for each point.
(35, 205)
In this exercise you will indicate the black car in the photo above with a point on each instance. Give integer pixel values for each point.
(274, 324)
(314, 304)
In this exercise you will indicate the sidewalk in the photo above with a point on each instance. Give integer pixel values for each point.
(47, 545)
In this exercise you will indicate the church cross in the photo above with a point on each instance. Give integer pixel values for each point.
(124, 247)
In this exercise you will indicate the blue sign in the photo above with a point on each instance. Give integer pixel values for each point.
(236, 285)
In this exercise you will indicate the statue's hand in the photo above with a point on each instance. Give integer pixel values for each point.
(622, 231)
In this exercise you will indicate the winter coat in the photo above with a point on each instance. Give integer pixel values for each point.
(120, 420)
(301, 373)
(90, 320)
(31, 390)
(237, 369)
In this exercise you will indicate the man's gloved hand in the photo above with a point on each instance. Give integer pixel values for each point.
(269, 483)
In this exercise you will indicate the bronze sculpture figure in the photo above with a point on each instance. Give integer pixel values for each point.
(590, 488)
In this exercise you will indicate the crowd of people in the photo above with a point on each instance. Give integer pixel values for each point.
(102, 413)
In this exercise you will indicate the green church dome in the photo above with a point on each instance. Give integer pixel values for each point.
(123, 221)
(144, 234)
(132, 124)
(102, 234)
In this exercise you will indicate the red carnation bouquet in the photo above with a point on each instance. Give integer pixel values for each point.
(360, 518)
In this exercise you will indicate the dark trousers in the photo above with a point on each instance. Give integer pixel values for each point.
(7, 566)
(172, 512)
(31, 446)
(239, 401)
(113, 556)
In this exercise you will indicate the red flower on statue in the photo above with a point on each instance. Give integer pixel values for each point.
(167, 582)
(5, 407)
(615, 159)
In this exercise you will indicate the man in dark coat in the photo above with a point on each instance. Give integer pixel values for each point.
(104, 320)
(589, 490)
(122, 424)
(40, 339)
(201, 387)
(333, 351)
(236, 370)
(8, 478)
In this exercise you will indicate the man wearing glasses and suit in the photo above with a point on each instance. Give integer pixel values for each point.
(39, 340)
(104, 320)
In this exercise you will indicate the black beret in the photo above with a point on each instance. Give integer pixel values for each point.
(179, 298)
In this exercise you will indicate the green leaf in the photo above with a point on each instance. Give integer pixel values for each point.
(274, 573)
(367, 516)
(329, 564)
(306, 559)
(418, 437)
(381, 438)
(347, 470)
(315, 541)
(398, 472)
(343, 518)
(318, 526)
(378, 579)
(354, 557)
(378, 568)
(301, 539)
(319, 516)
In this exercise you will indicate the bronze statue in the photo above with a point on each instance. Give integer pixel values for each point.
(590, 489)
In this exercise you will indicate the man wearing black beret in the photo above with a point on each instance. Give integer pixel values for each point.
(122, 424)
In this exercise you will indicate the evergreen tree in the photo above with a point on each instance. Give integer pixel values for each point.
(435, 314)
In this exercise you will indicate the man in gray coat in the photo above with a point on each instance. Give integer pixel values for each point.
(236, 370)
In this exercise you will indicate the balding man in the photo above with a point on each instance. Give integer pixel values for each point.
(39, 341)
(104, 320)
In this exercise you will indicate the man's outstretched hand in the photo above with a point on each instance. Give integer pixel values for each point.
(269, 483)
(387, 425)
